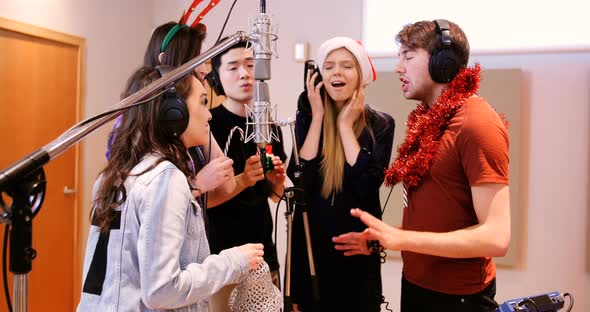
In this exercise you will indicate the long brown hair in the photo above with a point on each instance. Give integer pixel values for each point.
(138, 134)
(333, 157)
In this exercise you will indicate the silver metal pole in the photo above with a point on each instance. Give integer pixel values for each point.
(21, 292)
(76, 133)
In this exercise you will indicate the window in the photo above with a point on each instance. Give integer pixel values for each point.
(499, 26)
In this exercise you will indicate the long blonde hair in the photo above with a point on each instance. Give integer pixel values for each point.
(333, 157)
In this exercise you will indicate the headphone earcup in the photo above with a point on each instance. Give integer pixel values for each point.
(443, 66)
(213, 80)
(173, 115)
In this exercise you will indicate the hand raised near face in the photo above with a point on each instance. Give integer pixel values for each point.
(313, 94)
(353, 109)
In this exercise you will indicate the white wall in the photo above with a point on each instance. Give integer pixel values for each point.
(116, 34)
(557, 93)
(557, 96)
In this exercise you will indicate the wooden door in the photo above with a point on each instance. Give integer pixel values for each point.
(40, 98)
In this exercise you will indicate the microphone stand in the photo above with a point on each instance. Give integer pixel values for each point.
(296, 200)
(25, 183)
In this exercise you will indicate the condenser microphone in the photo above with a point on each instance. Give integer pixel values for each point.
(259, 116)
(262, 47)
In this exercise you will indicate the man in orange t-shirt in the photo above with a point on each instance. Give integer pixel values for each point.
(453, 166)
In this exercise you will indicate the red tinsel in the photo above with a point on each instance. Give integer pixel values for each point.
(425, 127)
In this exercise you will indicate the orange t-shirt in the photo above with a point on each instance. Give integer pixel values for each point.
(473, 150)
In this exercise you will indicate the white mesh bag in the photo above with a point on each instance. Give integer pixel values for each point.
(256, 293)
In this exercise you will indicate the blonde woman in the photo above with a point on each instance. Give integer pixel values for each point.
(344, 147)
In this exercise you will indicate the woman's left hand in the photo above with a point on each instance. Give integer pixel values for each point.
(353, 109)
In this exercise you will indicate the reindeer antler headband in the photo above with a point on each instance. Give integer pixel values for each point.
(182, 23)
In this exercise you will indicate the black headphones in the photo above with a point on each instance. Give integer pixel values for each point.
(214, 82)
(173, 115)
(444, 64)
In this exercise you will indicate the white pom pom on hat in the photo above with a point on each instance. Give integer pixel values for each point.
(356, 48)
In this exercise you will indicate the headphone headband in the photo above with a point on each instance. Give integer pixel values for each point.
(443, 27)
(170, 35)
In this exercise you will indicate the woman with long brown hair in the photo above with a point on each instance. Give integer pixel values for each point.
(147, 249)
(173, 44)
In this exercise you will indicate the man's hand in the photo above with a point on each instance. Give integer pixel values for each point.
(217, 172)
(277, 175)
(389, 237)
(351, 243)
(253, 171)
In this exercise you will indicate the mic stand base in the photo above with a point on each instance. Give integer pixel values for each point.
(27, 195)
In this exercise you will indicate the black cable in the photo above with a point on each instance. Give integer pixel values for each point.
(386, 201)
(277, 195)
(4, 273)
(225, 23)
(571, 305)
(277, 216)
(381, 251)
(383, 301)
(525, 302)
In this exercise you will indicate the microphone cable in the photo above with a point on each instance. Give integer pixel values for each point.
(571, 305)
(225, 23)
(4, 273)
(281, 198)
(386, 201)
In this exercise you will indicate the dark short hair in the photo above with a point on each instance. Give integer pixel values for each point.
(216, 60)
(424, 35)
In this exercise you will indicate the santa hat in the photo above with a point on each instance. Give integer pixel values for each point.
(356, 48)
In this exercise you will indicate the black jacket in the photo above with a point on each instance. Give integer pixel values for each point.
(345, 283)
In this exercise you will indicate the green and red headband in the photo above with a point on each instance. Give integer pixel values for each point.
(182, 23)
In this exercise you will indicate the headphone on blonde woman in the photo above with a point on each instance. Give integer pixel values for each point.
(173, 115)
(444, 63)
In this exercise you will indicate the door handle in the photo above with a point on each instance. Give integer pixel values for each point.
(69, 191)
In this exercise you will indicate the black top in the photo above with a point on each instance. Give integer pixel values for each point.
(346, 283)
(246, 218)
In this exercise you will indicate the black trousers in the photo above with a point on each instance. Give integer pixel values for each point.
(418, 299)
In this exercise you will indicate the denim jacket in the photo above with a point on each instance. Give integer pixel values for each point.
(155, 257)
